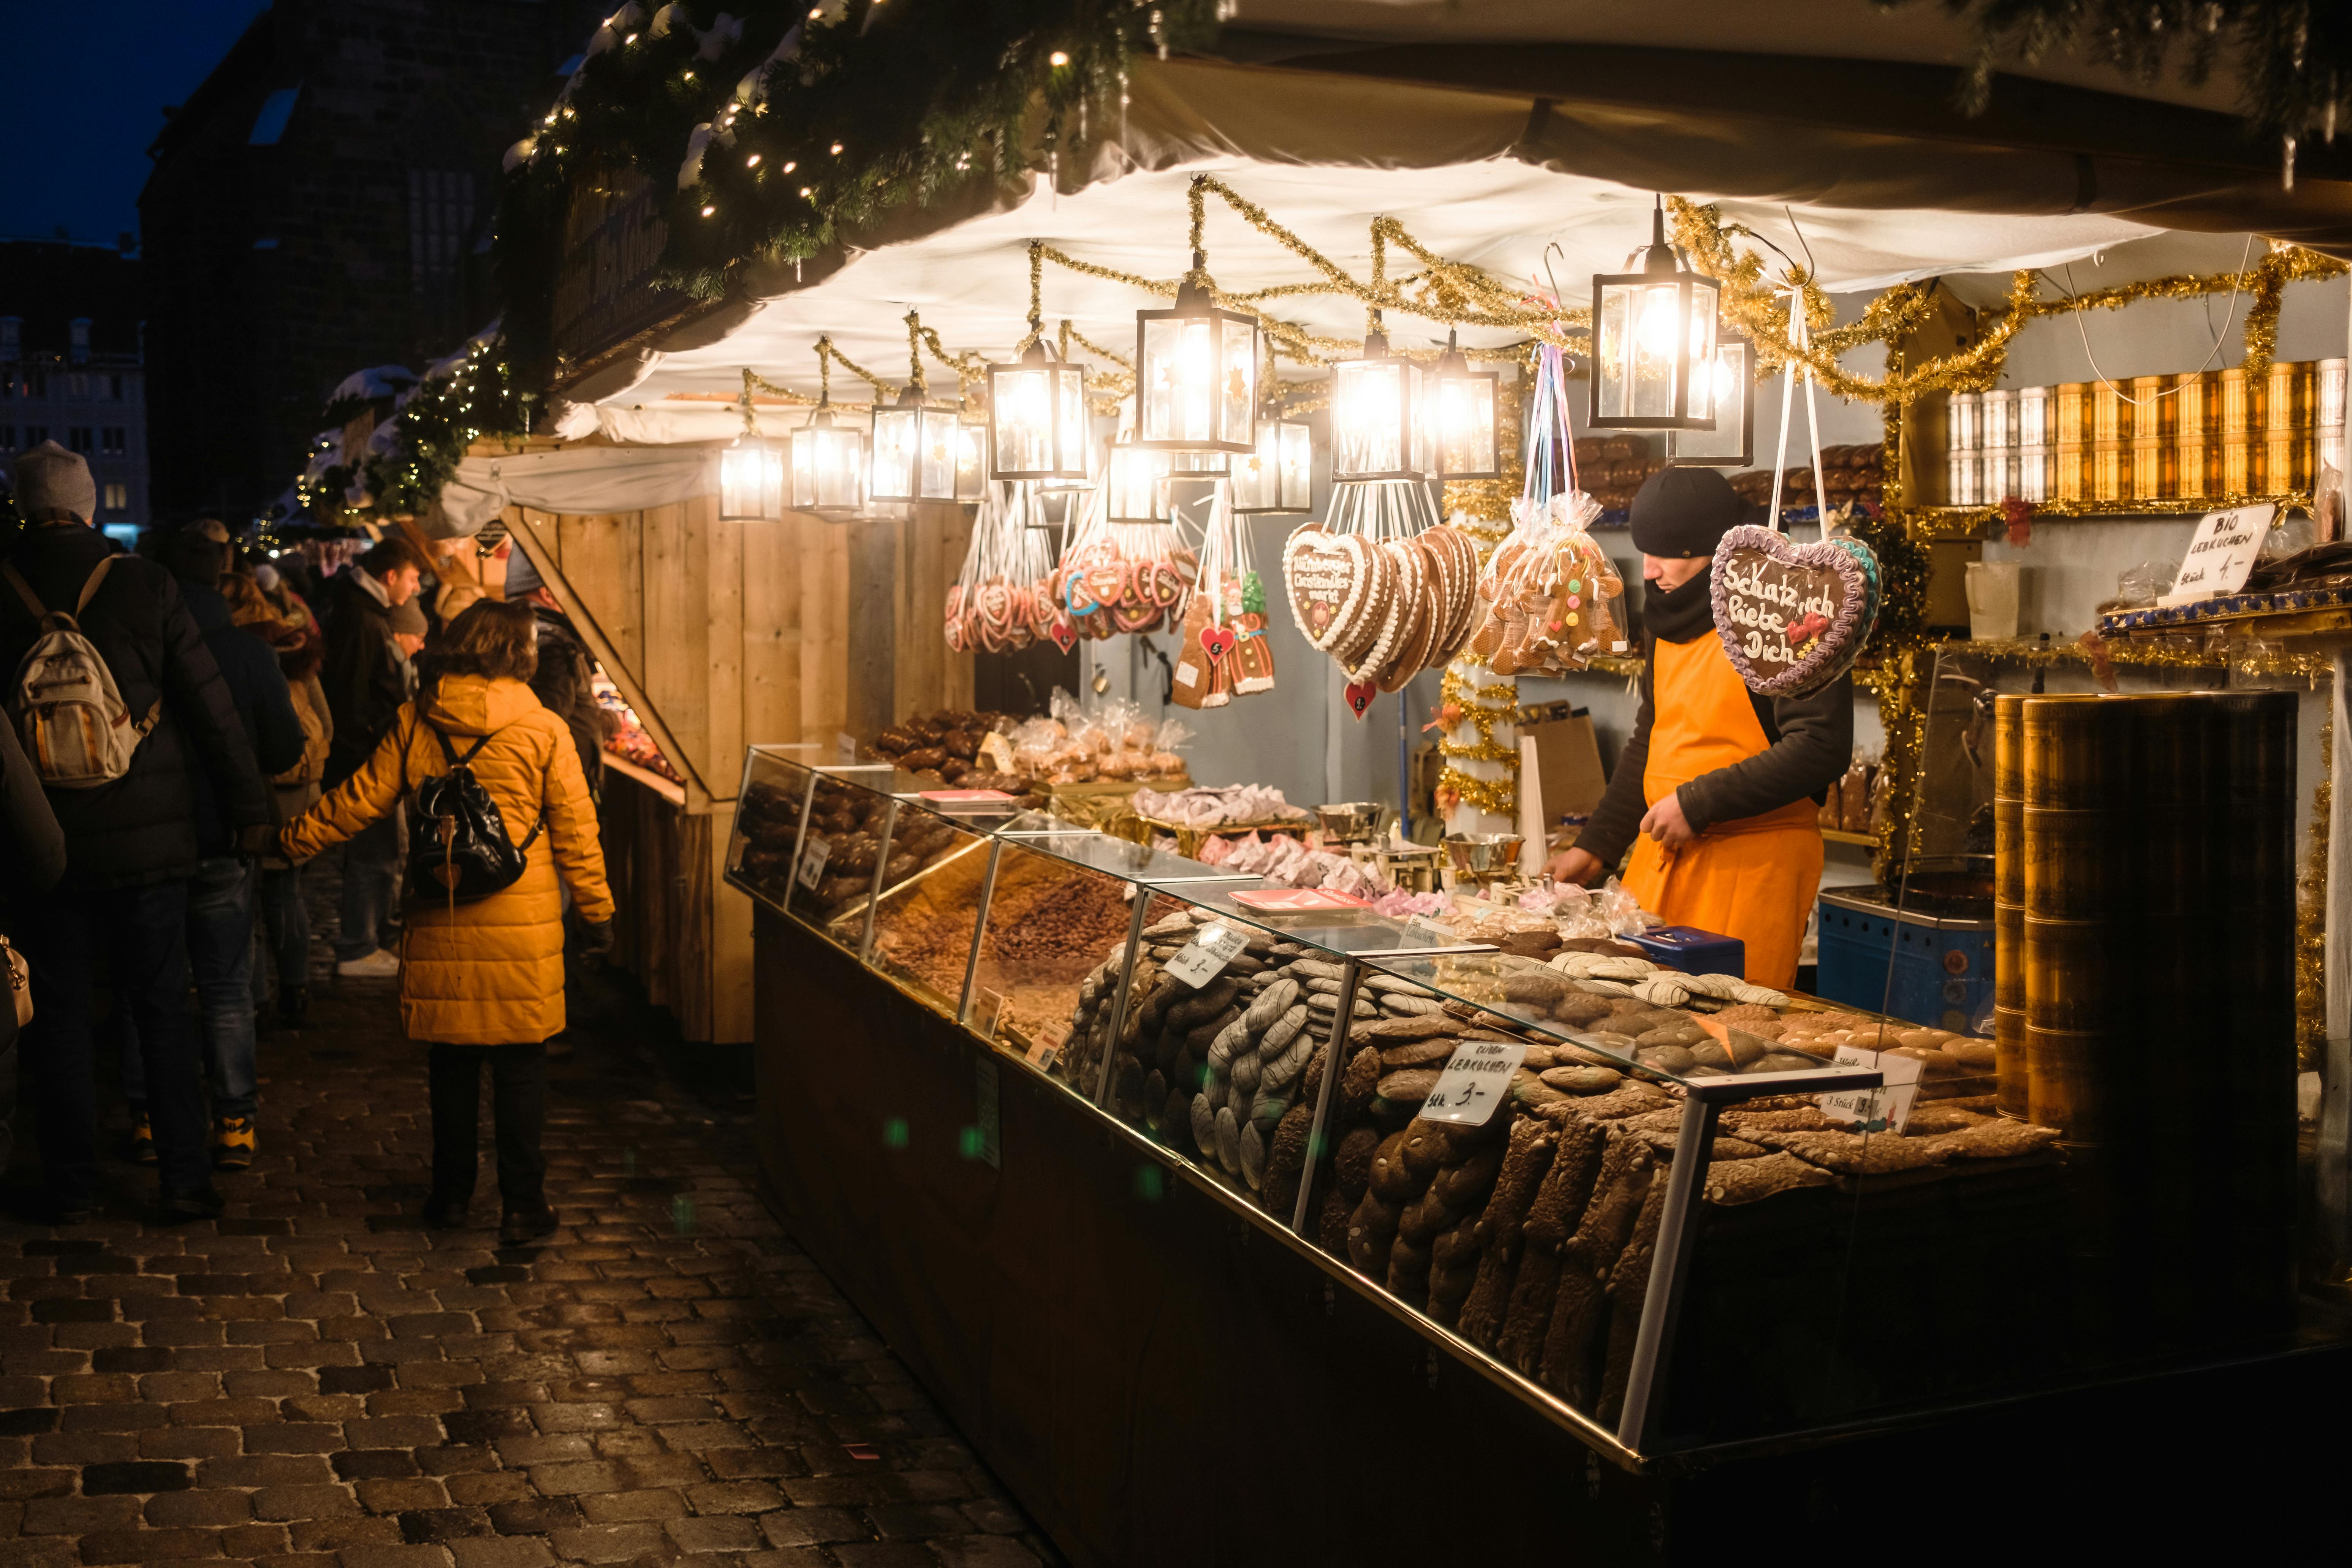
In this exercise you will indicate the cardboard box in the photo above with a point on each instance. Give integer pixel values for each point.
(1568, 762)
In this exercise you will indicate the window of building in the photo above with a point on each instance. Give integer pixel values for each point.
(111, 440)
(79, 328)
(11, 337)
(78, 437)
(35, 435)
(440, 217)
(37, 384)
(8, 437)
(276, 110)
(118, 496)
(114, 389)
(78, 388)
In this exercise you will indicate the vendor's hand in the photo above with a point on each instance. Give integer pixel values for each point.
(257, 839)
(596, 941)
(1581, 867)
(1667, 824)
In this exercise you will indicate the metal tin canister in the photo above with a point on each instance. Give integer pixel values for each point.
(2009, 904)
(2079, 974)
(2079, 865)
(2076, 752)
(2072, 1082)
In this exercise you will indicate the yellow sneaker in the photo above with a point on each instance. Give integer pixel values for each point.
(137, 1145)
(233, 1140)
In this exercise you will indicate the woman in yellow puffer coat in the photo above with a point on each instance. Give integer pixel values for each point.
(484, 980)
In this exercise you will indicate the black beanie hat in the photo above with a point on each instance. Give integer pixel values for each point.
(1684, 512)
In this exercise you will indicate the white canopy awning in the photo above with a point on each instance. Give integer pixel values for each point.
(1488, 177)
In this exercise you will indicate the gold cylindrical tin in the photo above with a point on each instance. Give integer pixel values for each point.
(2009, 800)
(2070, 445)
(2244, 456)
(2155, 459)
(2079, 974)
(2077, 756)
(2198, 434)
(2011, 1095)
(2287, 427)
(2072, 1079)
(2079, 865)
(2009, 956)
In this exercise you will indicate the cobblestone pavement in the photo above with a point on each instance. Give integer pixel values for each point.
(316, 1380)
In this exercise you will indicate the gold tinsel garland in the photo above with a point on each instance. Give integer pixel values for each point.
(1482, 509)
(1760, 308)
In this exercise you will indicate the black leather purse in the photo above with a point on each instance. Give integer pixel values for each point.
(457, 845)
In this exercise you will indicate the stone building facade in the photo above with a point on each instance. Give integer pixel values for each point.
(322, 203)
(72, 368)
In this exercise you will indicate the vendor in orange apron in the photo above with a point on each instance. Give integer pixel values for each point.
(1720, 787)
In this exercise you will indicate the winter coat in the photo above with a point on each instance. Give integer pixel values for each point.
(284, 622)
(263, 707)
(32, 844)
(563, 682)
(489, 973)
(365, 677)
(141, 828)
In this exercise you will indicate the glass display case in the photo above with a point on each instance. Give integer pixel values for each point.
(1677, 1210)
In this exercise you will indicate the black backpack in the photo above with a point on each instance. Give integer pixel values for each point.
(457, 844)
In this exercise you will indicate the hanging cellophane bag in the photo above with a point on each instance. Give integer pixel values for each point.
(1554, 600)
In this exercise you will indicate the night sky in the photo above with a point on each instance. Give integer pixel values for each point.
(84, 96)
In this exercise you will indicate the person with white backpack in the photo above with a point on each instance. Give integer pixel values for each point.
(116, 701)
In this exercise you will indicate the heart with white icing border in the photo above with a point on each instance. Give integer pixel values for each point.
(1328, 576)
(1766, 584)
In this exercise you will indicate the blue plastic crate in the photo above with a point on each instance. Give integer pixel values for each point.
(1942, 966)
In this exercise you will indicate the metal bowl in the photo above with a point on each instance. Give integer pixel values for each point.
(1484, 854)
(1350, 822)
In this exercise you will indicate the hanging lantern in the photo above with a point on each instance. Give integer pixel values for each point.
(972, 455)
(1381, 418)
(1279, 477)
(1731, 394)
(1037, 418)
(915, 450)
(1195, 374)
(751, 472)
(1135, 483)
(828, 468)
(1650, 325)
(1467, 447)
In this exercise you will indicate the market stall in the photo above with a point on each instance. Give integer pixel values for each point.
(1189, 1099)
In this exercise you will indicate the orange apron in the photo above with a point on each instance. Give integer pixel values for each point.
(1754, 878)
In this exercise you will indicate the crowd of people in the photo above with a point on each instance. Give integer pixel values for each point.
(189, 728)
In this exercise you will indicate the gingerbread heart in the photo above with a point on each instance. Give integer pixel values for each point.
(1065, 633)
(1329, 576)
(1361, 694)
(1792, 616)
(1217, 641)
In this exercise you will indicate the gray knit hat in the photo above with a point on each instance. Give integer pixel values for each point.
(50, 478)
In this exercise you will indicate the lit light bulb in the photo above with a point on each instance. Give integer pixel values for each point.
(1658, 328)
(790, 164)
(708, 211)
(1057, 59)
(752, 161)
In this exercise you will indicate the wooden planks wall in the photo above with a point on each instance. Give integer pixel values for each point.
(728, 634)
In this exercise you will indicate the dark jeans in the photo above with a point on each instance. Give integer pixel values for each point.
(220, 957)
(518, 1098)
(144, 934)
(371, 860)
(281, 937)
(220, 952)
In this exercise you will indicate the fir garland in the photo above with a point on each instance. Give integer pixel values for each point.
(2293, 57)
(813, 119)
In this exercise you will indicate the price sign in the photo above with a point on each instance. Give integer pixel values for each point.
(845, 745)
(1207, 953)
(814, 854)
(2221, 553)
(1477, 1078)
(1874, 1110)
(1045, 1048)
